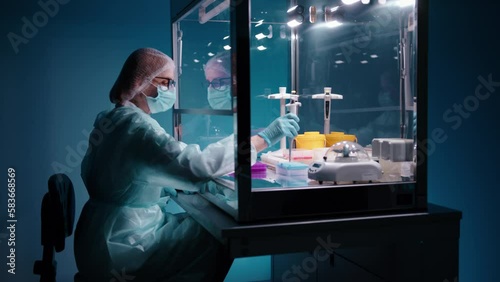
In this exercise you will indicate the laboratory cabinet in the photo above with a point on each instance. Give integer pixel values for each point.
(414, 246)
(412, 261)
(354, 73)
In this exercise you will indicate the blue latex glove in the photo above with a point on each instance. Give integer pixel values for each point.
(286, 125)
(170, 191)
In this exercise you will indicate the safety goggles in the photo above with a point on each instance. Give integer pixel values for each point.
(165, 83)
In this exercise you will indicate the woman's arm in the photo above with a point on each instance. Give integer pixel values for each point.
(258, 142)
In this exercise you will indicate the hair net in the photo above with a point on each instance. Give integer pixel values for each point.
(139, 69)
(220, 62)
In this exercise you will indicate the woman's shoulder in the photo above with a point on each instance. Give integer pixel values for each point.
(133, 116)
(120, 116)
(130, 120)
(127, 114)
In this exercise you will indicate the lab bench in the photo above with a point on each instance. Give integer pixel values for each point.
(373, 247)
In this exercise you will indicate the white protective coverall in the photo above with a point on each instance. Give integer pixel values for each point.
(123, 231)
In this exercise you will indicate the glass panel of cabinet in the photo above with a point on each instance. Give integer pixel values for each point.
(354, 73)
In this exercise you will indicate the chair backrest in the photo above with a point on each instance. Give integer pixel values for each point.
(58, 216)
(58, 212)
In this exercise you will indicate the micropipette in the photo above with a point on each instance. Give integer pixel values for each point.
(282, 95)
(292, 108)
(327, 97)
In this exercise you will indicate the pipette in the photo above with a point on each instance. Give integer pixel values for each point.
(292, 108)
(282, 95)
(327, 97)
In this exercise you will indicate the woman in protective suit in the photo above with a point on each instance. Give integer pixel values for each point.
(130, 168)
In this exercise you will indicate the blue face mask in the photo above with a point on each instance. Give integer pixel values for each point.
(219, 99)
(163, 102)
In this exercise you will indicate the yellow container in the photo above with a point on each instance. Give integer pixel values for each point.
(350, 137)
(335, 137)
(310, 140)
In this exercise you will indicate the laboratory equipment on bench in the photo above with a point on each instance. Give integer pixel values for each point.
(282, 96)
(291, 174)
(310, 140)
(327, 97)
(350, 164)
(258, 170)
(396, 157)
(393, 149)
(336, 136)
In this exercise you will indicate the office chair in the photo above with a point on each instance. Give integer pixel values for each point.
(58, 216)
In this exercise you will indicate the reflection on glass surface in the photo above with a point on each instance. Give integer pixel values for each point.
(205, 129)
(363, 52)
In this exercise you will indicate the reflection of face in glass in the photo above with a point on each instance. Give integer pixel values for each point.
(219, 93)
(218, 81)
(219, 100)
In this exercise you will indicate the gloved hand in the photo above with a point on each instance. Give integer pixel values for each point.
(208, 187)
(170, 191)
(286, 125)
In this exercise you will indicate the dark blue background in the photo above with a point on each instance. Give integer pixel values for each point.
(463, 45)
(57, 82)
